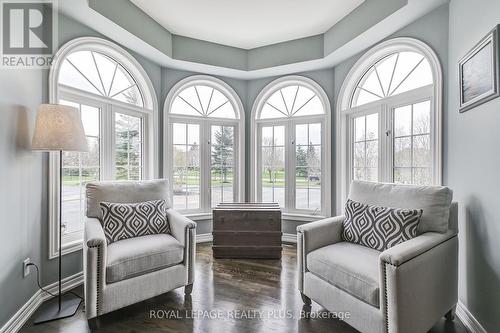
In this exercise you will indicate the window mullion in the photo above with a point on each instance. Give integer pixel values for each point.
(387, 153)
(108, 141)
(205, 166)
(290, 166)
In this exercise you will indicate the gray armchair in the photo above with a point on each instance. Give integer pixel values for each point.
(134, 269)
(404, 289)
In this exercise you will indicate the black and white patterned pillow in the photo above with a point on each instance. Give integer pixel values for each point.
(127, 220)
(379, 227)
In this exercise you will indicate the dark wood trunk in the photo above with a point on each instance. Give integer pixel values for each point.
(247, 230)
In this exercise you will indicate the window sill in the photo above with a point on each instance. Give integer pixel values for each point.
(285, 216)
(68, 247)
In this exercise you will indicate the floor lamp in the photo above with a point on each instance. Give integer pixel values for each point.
(59, 128)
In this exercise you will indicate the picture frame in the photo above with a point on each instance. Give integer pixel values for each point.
(478, 72)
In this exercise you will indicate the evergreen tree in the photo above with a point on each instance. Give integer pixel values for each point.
(301, 158)
(222, 151)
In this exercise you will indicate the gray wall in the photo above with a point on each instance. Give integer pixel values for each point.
(472, 168)
(24, 187)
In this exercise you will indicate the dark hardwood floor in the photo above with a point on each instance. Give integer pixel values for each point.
(226, 291)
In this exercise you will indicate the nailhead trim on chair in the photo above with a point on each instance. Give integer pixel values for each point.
(99, 263)
(385, 299)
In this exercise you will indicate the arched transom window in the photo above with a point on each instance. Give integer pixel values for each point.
(389, 123)
(117, 104)
(100, 74)
(394, 74)
(290, 146)
(204, 144)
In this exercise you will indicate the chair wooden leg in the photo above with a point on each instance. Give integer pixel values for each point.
(305, 299)
(188, 289)
(93, 323)
(450, 315)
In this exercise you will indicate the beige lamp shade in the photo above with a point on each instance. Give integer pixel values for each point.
(59, 127)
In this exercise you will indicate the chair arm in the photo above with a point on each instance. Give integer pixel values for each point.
(312, 236)
(419, 276)
(184, 230)
(408, 250)
(94, 233)
(179, 225)
(321, 233)
(94, 265)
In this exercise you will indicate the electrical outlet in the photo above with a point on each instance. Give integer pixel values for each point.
(26, 268)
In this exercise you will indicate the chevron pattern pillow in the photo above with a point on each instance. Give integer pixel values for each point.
(379, 227)
(127, 220)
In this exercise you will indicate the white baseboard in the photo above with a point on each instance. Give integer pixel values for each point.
(205, 238)
(289, 238)
(26, 311)
(468, 319)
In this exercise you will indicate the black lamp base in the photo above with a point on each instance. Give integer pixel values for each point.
(50, 310)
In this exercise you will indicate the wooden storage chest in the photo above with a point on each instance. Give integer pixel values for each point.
(247, 230)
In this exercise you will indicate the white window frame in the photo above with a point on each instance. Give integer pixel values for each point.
(325, 120)
(149, 114)
(205, 123)
(433, 92)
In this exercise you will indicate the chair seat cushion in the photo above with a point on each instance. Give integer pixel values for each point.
(351, 267)
(140, 255)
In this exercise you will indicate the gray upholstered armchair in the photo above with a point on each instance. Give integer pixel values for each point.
(404, 289)
(134, 269)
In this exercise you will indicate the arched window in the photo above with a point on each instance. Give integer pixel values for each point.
(290, 146)
(204, 144)
(118, 108)
(389, 124)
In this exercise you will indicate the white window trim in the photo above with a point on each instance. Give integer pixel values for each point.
(265, 93)
(344, 109)
(239, 123)
(74, 242)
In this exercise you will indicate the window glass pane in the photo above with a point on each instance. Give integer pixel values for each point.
(385, 69)
(372, 83)
(407, 62)
(402, 152)
(372, 127)
(273, 164)
(301, 135)
(365, 148)
(359, 129)
(422, 117)
(222, 156)
(421, 151)
(128, 147)
(80, 168)
(131, 95)
(362, 97)
(186, 166)
(307, 167)
(90, 120)
(422, 176)
(402, 121)
(412, 144)
(312, 107)
(402, 175)
(419, 77)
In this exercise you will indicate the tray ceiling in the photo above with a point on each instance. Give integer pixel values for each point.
(247, 24)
